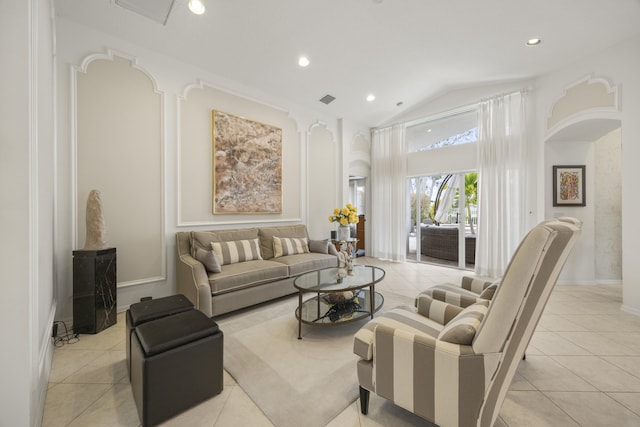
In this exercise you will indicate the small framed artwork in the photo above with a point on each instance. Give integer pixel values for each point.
(569, 187)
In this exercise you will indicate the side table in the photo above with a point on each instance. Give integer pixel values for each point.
(94, 290)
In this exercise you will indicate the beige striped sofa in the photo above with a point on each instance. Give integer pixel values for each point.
(225, 270)
(453, 365)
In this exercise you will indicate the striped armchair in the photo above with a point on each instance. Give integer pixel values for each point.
(453, 365)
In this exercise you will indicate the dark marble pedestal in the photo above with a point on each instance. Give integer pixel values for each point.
(94, 290)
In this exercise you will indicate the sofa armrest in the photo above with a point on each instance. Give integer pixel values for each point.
(191, 278)
(438, 311)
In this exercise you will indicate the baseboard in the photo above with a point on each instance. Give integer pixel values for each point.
(576, 282)
(44, 366)
(630, 310)
(609, 282)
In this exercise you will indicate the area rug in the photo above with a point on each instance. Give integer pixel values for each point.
(294, 382)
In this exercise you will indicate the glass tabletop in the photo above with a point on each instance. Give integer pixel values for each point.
(329, 279)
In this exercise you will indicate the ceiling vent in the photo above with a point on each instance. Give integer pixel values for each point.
(327, 99)
(156, 10)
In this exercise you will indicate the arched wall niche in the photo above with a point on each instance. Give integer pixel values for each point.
(323, 184)
(361, 144)
(118, 149)
(591, 95)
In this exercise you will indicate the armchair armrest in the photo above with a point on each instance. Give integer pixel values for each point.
(455, 298)
(439, 311)
(403, 317)
(474, 284)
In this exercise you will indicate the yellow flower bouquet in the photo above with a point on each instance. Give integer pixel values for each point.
(345, 216)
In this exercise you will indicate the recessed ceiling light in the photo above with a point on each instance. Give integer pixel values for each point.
(196, 6)
(371, 97)
(534, 42)
(303, 61)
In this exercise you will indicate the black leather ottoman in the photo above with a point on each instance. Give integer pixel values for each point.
(176, 363)
(149, 310)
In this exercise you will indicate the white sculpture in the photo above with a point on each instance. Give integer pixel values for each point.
(96, 237)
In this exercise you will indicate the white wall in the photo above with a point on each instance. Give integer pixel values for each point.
(189, 93)
(27, 188)
(324, 192)
(620, 65)
(580, 266)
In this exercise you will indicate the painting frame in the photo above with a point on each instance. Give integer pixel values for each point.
(246, 165)
(569, 185)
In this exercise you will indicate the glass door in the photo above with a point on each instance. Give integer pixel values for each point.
(443, 219)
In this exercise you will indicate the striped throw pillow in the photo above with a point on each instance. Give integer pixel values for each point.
(236, 251)
(462, 329)
(289, 246)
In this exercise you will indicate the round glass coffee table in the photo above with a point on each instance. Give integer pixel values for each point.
(339, 299)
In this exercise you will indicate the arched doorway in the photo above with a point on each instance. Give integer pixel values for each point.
(596, 144)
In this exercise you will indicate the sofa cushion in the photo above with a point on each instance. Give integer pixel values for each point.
(289, 246)
(209, 259)
(303, 263)
(462, 329)
(246, 275)
(237, 251)
(266, 236)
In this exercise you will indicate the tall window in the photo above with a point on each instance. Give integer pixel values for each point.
(455, 129)
(442, 194)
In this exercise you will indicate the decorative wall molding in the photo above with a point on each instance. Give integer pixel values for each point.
(111, 55)
(248, 223)
(589, 97)
(319, 123)
(201, 84)
(361, 143)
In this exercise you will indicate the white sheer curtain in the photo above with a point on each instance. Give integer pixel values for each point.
(501, 181)
(388, 186)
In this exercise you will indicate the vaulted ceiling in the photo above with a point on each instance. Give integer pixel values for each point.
(402, 51)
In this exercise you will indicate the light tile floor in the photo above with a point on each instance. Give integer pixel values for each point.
(582, 369)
